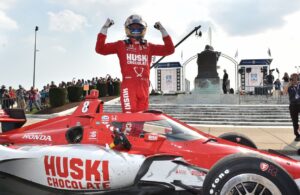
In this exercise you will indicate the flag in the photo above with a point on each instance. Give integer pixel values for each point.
(236, 54)
(269, 52)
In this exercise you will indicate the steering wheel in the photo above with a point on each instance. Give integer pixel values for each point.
(120, 138)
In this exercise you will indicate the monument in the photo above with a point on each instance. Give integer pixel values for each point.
(207, 80)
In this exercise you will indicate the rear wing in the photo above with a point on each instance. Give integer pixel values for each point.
(12, 119)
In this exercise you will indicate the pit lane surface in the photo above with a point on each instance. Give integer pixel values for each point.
(10, 185)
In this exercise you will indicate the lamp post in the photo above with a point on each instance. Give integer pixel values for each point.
(34, 60)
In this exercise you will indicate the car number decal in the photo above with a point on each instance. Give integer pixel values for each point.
(85, 107)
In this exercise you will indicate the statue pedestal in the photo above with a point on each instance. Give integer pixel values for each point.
(207, 86)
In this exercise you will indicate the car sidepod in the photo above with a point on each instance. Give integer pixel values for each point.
(72, 167)
(172, 171)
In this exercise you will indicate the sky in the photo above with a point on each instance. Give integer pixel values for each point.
(68, 31)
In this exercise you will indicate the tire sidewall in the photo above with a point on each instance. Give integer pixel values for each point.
(243, 140)
(235, 165)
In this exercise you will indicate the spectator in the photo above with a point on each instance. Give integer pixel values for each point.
(5, 99)
(225, 82)
(53, 85)
(286, 77)
(20, 94)
(12, 95)
(293, 90)
(109, 84)
(270, 81)
(43, 97)
(38, 99)
(277, 85)
(32, 99)
(286, 80)
(1, 94)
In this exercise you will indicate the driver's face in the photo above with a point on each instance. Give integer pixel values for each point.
(136, 26)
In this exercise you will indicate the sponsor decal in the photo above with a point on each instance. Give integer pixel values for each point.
(128, 127)
(138, 71)
(126, 100)
(192, 172)
(152, 137)
(198, 173)
(114, 117)
(76, 173)
(37, 136)
(264, 166)
(217, 181)
(273, 170)
(270, 169)
(105, 118)
(238, 139)
(181, 171)
(93, 135)
(85, 107)
(130, 47)
(137, 59)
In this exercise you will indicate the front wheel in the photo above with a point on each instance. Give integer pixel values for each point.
(241, 174)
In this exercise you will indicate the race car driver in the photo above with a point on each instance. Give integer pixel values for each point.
(135, 55)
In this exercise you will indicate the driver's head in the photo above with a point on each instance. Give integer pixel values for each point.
(135, 27)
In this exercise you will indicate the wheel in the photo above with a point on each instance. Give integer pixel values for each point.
(242, 174)
(239, 139)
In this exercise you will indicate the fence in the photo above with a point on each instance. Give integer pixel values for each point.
(262, 94)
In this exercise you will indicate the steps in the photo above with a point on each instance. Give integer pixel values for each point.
(244, 115)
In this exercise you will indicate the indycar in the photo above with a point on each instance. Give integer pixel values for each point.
(93, 152)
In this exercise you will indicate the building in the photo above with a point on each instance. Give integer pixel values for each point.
(252, 73)
(170, 78)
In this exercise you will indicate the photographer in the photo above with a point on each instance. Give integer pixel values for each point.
(293, 89)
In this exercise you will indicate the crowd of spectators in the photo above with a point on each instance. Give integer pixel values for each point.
(39, 99)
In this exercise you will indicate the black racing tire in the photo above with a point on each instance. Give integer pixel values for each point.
(239, 139)
(244, 171)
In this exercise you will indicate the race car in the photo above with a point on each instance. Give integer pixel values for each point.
(92, 152)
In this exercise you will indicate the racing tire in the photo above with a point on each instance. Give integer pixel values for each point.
(241, 174)
(239, 139)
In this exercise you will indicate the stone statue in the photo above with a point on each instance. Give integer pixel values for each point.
(207, 80)
(207, 63)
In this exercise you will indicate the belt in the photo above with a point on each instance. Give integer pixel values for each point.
(135, 78)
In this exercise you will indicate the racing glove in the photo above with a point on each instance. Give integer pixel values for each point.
(159, 27)
(109, 22)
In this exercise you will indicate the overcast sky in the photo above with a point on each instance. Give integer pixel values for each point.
(68, 30)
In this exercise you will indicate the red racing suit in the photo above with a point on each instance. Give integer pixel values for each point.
(135, 59)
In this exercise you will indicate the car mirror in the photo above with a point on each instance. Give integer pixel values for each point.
(154, 137)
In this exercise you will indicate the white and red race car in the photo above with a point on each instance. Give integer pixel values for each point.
(94, 152)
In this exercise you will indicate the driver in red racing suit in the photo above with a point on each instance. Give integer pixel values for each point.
(135, 55)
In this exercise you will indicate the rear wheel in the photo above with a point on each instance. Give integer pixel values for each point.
(239, 139)
(241, 174)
